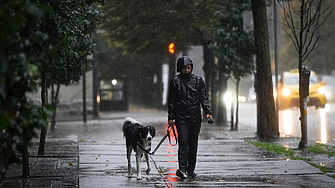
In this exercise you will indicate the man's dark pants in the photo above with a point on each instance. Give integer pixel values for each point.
(188, 133)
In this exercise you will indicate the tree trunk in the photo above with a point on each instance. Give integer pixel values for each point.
(267, 126)
(303, 139)
(237, 104)
(209, 73)
(54, 102)
(44, 102)
(25, 162)
(303, 127)
(222, 89)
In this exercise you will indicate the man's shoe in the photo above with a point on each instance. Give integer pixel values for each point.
(181, 174)
(192, 175)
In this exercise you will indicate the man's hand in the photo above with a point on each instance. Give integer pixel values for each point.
(171, 122)
(210, 119)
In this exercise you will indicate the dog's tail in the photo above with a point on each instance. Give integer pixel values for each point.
(127, 122)
(125, 125)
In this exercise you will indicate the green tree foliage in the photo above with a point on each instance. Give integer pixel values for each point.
(150, 26)
(40, 40)
(18, 75)
(231, 44)
(69, 26)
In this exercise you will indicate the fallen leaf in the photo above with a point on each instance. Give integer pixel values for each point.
(70, 164)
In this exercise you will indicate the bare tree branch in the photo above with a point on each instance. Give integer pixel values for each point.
(304, 32)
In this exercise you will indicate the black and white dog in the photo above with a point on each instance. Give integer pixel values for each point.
(138, 138)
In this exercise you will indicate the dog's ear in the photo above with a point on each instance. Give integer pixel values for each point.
(152, 131)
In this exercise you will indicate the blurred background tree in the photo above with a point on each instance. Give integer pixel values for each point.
(19, 74)
(234, 48)
(303, 23)
(69, 27)
(44, 42)
(146, 28)
(319, 60)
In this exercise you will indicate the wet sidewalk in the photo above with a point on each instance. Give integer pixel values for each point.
(93, 155)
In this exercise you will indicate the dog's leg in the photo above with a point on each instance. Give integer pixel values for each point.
(129, 149)
(148, 163)
(138, 164)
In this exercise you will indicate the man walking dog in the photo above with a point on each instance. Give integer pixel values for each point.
(187, 94)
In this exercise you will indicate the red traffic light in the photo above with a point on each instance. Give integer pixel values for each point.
(171, 48)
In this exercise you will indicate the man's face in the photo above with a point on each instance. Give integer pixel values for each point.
(186, 69)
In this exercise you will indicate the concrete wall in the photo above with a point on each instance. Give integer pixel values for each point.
(73, 92)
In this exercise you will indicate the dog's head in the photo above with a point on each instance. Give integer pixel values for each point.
(147, 133)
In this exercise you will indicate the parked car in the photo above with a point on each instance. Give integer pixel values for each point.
(288, 90)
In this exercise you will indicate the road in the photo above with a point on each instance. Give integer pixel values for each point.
(320, 122)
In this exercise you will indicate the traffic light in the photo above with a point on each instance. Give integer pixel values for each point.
(171, 48)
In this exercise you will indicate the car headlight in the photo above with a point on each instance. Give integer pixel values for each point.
(242, 99)
(253, 97)
(228, 98)
(322, 90)
(286, 92)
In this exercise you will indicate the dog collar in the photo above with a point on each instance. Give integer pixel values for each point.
(145, 150)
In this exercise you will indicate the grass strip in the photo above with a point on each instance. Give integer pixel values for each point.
(289, 153)
(322, 149)
(274, 148)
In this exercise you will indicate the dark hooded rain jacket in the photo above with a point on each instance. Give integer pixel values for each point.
(187, 94)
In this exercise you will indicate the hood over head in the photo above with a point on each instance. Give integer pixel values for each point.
(183, 61)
